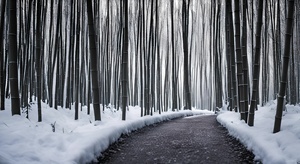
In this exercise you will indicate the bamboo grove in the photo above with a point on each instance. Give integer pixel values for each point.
(155, 54)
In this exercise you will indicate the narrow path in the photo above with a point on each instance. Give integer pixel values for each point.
(196, 139)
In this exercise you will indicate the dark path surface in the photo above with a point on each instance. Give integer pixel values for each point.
(199, 139)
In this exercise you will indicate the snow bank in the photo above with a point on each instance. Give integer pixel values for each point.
(280, 148)
(27, 141)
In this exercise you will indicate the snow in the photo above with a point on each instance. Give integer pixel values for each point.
(27, 141)
(279, 148)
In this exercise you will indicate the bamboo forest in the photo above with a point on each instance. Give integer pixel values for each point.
(77, 77)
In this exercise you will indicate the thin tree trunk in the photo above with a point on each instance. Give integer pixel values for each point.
(278, 49)
(185, 27)
(13, 59)
(140, 33)
(284, 73)
(77, 77)
(174, 83)
(232, 60)
(38, 60)
(253, 103)
(217, 58)
(292, 77)
(239, 63)
(125, 61)
(93, 61)
(228, 53)
(245, 59)
(158, 59)
(89, 91)
(2, 79)
(274, 45)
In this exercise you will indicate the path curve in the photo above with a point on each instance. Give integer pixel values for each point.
(196, 139)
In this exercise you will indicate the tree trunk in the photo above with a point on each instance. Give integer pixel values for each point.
(140, 33)
(2, 84)
(77, 77)
(232, 60)
(38, 60)
(228, 54)
(157, 34)
(13, 59)
(278, 48)
(284, 73)
(93, 61)
(245, 59)
(185, 27)
(174, 83)
(253, 103)
(125, 61)
(239, 63)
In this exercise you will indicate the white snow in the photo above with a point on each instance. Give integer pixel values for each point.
(29, 142)
(279, 148)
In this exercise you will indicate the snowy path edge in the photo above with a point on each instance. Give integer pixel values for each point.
(112, 136)
(254, 140)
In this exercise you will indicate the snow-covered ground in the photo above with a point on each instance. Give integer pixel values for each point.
(26, 141)
(279, 148)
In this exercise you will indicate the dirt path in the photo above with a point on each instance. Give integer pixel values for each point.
(196, 139)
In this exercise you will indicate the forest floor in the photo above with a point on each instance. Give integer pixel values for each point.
(196, 139)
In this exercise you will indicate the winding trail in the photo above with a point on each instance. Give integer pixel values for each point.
(196, 139)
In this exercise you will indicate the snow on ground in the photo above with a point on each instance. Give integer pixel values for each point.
(27, 141)
(280, 148)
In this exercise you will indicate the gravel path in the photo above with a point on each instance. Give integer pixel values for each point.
(196, 139)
